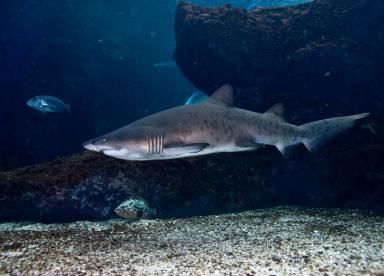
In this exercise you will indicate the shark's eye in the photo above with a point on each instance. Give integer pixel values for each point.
(104, 139)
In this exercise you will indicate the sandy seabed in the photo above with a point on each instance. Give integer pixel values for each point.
(277, 241)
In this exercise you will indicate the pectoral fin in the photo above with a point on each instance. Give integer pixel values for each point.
(176, 149)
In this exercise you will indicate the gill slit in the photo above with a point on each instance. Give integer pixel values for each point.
(149, 143)
(162, 142)
(155, 142)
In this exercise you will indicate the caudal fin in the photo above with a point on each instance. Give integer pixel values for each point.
(317, 133)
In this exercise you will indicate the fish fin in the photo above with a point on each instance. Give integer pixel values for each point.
(223, 95)
(44, 112)
(277, 110)
(317, 133)
(184, 148)
(286, 151)
(196, 97)
(69, 109)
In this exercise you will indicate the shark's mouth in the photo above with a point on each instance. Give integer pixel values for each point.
(119, 153)
(110, 151)
(99, 148)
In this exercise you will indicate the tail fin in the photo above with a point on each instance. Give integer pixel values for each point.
(317, 133)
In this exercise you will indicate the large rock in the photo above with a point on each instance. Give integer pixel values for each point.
(91, 186)
(323, 58)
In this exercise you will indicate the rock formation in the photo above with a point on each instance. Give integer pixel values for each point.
(91, 186)
(325, 55)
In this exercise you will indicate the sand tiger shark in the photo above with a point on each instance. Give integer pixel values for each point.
(214, 126)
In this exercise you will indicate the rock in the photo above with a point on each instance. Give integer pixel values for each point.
(89, 186)
(134, 209)
(321, 58)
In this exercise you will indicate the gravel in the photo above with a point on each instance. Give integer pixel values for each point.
(277, 241)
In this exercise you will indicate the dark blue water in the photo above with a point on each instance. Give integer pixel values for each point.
(98, 56)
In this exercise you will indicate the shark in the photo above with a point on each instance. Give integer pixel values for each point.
(214, 126)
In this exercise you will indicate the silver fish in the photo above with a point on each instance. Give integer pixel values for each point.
(47, 104)
(214, 126)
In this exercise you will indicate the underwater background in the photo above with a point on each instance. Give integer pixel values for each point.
(97, 56)
(100, 57)
(114, 63)
(65, 210)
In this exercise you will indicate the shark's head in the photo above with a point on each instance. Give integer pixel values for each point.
(125, 143)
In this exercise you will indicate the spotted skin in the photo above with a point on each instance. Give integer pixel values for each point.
(210, 127)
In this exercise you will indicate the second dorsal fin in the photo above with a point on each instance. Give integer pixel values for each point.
(277, 110)
(223, 95)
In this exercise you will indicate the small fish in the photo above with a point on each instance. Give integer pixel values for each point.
(165, 64)
(196, 97)
(47, 104)
(214, 126)
(136, 208)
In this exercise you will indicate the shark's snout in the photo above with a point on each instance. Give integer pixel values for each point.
(124, 143)
(98, 144)
(89, 146)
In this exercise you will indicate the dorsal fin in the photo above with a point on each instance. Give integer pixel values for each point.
(223, 95)
(277, 110)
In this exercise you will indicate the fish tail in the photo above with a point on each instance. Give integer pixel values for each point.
(317, 133)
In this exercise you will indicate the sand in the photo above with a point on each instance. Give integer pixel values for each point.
(277, 241)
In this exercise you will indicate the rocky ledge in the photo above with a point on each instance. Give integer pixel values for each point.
(321, 58)
(90, 186)
(282, 241)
